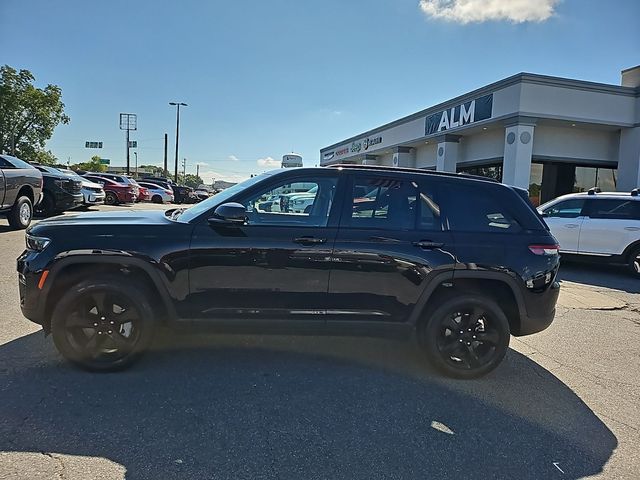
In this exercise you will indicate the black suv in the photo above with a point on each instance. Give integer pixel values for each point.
(460, 261)
(59, 192)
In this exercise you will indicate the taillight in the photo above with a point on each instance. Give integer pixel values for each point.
(544, 249)
(168, 192)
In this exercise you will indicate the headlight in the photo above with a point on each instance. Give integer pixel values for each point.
(36, 244)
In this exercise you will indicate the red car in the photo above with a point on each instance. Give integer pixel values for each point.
(143, 194)
(115, 192)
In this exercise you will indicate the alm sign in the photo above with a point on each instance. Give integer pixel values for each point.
(478, 109)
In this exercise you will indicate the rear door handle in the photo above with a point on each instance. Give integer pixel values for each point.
(309, 240)
(428, 244)
(632, 229)
(571, 225)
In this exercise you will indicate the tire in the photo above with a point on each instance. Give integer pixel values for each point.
(21, 213)
(102, 325)
(633, 263)
(47, 206)
(156, 199)
(451, 336)
(110, 198)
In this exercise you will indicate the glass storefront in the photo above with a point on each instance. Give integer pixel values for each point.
(550, 180)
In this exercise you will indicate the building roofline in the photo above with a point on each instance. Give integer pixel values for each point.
(629, 69)
(521, 77)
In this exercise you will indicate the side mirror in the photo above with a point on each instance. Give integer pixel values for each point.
(229, 213)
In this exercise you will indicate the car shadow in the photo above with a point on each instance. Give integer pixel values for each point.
(298, 407)
(601, 275)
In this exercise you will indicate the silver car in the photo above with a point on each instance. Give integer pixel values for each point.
(92, 193)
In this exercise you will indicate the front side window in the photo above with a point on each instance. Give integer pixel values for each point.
(304, 202)
(565, 209)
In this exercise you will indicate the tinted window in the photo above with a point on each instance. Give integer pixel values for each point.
(565, 209)
(476, 209)
(13, 162)
(383, 202)
(614, 209)
(300, 202)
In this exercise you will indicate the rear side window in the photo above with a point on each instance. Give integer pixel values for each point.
(613, 209)
(477, 209)
(383, 202)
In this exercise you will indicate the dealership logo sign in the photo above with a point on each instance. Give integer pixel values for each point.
(370, 142)
(464, 114)
(328, 156)
(342, 151)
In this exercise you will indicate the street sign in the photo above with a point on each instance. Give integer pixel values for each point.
(133, 144)
(105, 161)
(92, 144)
(128, 121)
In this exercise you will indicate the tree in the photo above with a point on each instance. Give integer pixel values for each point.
(44, 157)
(92, 165)
(28, 115)
(190, 180)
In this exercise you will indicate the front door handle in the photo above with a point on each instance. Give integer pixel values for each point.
(309, 240)
(428, 244)
(571, 225)
(632, 229)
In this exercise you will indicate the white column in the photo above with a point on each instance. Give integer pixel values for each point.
(447, 155)
(404, 157)
(629, 160)
(518, 147)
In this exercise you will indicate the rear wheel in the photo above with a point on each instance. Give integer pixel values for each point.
(156, 199)
(21, 213)
(634, 262)
(466, 337)
(110, 198)
(100, 325)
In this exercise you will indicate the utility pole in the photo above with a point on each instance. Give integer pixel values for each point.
(128, 122)
(178, 105)
(136, 154)
(166, 139)
(197, 169)
(184, 168)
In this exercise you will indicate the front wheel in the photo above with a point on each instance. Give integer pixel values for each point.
(110, 198)
(21, 213)
(466, 336)
(100, 325)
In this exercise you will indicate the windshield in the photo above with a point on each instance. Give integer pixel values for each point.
(200, 208)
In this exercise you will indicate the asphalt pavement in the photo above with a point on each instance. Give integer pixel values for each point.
(564, 404)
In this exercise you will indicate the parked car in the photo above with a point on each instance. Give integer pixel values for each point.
(20, 190)
(123, 179)
(115, 192)
(597, 227)
(385, 271)
(158, 194)
(181, 193)
(143, 194)
(60, 192)
(92, 192)
(201, 193)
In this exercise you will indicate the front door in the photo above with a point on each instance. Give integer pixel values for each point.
(390, 245)
(277, 264)
(565, 219)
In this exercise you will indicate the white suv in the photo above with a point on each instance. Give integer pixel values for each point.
(597, 226)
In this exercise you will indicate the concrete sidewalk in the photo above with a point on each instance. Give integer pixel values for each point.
(576, 295)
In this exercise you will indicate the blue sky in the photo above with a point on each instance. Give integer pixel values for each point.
(263, 78)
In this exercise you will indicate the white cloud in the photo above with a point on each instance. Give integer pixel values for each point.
(469, 11)
(233, 158)
(211, 175)
(268, 162)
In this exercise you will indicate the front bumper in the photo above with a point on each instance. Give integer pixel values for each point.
(92, 198)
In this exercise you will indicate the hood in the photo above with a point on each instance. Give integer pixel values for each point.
(97, 219)
(89, 184)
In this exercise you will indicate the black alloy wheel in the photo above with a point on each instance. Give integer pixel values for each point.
(466, 337)
(110, 198)
(101, 326)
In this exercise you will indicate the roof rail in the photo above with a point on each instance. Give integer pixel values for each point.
(353, 166)
(593, 191)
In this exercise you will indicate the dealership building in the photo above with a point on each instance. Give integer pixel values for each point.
(547, 134)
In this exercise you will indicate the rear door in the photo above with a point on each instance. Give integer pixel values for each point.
(389, 246)
(609, 225)
(565, 220)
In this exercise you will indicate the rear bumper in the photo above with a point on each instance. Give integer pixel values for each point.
(541, 309)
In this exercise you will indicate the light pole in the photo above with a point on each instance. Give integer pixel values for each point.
(136, 154)
(177, 105)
